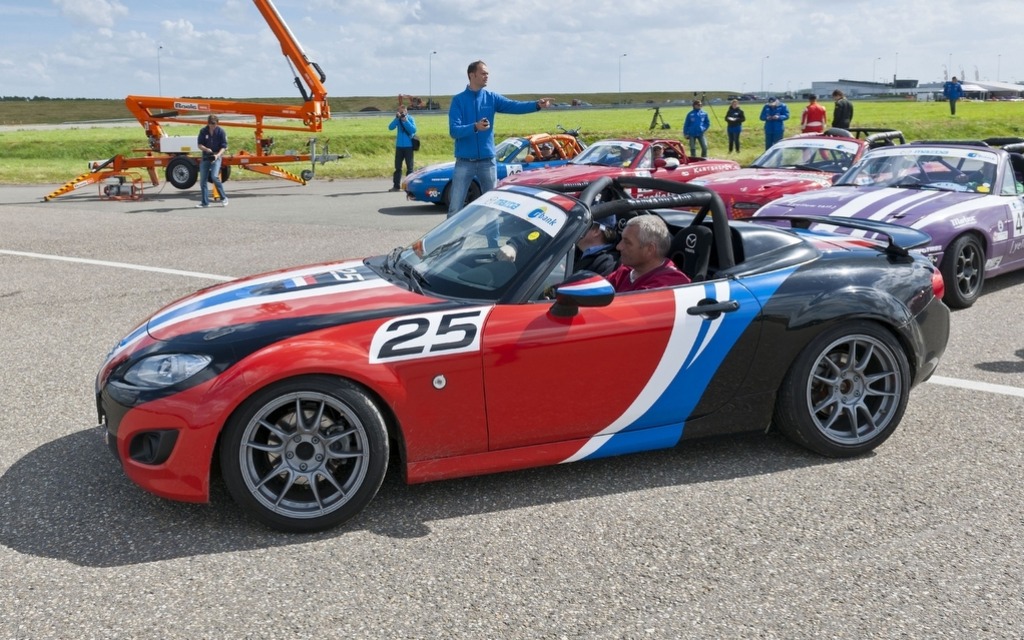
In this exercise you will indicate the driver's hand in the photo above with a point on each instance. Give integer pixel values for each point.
(507, 253)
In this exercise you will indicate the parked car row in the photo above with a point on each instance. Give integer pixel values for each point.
(967, 195)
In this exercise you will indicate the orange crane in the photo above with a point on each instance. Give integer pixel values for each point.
(175, 153)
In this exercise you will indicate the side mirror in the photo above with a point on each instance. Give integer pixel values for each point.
(583, 289)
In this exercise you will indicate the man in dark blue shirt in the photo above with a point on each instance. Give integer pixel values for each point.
(213, 142)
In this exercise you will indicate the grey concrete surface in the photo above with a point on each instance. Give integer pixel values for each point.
(742, 537)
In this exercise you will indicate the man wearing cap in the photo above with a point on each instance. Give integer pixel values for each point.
(597, 250)
(694, 127)
(953, 90)
(774, 115)
(213, 142)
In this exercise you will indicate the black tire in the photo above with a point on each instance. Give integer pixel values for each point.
(472, 194)
(225, 172)
(307, 174)
(846, 392)
(298, 476)
(963, 271)
(182, 172)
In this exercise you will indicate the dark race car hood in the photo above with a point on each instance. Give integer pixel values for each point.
(328, 289)
(908, 207)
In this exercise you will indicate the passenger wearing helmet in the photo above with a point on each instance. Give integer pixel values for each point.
(547, 152)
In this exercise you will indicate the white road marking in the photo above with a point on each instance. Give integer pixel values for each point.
(978, 386)
(119, 265)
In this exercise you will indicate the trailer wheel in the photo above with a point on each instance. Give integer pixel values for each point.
(307, 174)
(182, 172)
(225, 172)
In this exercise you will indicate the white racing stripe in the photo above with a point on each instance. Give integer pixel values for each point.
(118, 265)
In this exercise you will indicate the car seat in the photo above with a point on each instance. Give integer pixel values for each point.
(691, 251)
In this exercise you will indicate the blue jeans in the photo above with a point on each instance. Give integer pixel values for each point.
(771, 136)
(703, 146)
(209, 170)
(485, 170)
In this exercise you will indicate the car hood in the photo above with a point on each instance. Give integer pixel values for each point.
(565, 173)
(318, 295)
(426, 171)
(908, 207)
(757, 181)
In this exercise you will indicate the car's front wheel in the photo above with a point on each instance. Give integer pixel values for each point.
(306, 454)
(963, 271)
(846, 392)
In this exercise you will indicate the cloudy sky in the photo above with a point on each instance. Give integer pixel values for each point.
(223, 48)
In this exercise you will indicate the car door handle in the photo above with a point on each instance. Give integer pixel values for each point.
(712, 308)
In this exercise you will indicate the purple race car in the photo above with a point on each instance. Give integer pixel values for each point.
(966, 195)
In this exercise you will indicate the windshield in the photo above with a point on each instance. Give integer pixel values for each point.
(476, 253)
(512, 150)
(952, 169)
(609, 153)
(815, 154)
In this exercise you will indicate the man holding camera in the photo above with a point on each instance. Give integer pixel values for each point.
(404, 151)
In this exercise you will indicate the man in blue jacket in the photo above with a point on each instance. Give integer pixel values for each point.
(471, 125)
(953, 91)
(774, 115)
(694, 127)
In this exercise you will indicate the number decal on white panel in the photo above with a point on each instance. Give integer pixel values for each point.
(428, 335)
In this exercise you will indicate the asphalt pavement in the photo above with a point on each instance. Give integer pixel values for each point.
(738, 537)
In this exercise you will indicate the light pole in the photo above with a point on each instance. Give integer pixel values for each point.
(874, 65)
(430, 80)
(895, 69)
(620, 76)
(950, 66)
(762, 76)
(159, 79)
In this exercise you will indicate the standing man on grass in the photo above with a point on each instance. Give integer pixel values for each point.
(471, 125)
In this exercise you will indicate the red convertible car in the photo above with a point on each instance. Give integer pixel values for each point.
(625, 158)
(301, 386)
(804, 162)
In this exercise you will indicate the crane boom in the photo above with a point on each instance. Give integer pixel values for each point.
(174, 154)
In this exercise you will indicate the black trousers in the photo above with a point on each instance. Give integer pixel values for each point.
(402, 155)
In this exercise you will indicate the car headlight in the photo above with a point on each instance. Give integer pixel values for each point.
(156, 372)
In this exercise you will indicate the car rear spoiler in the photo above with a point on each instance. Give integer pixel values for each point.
(899, 239)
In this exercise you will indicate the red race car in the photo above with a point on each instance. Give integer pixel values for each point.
(626, 158)
(805, 162)
(458, 359)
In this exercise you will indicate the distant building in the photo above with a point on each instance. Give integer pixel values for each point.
(979, 89)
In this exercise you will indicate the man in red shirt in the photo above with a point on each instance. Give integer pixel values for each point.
(814, 118)
(645, 243)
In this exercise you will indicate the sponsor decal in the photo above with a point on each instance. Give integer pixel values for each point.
(963, 221)
(1000, 236)
(188, 106)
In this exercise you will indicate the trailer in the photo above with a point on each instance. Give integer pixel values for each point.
(178, 156)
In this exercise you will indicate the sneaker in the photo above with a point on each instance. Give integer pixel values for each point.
(224, 202)
(394, 189)
(201, 206)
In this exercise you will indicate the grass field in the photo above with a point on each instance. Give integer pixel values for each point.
(58, 155)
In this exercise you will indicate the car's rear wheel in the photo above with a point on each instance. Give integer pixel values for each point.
(306, 454)
(846, 392)
(963, 271)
